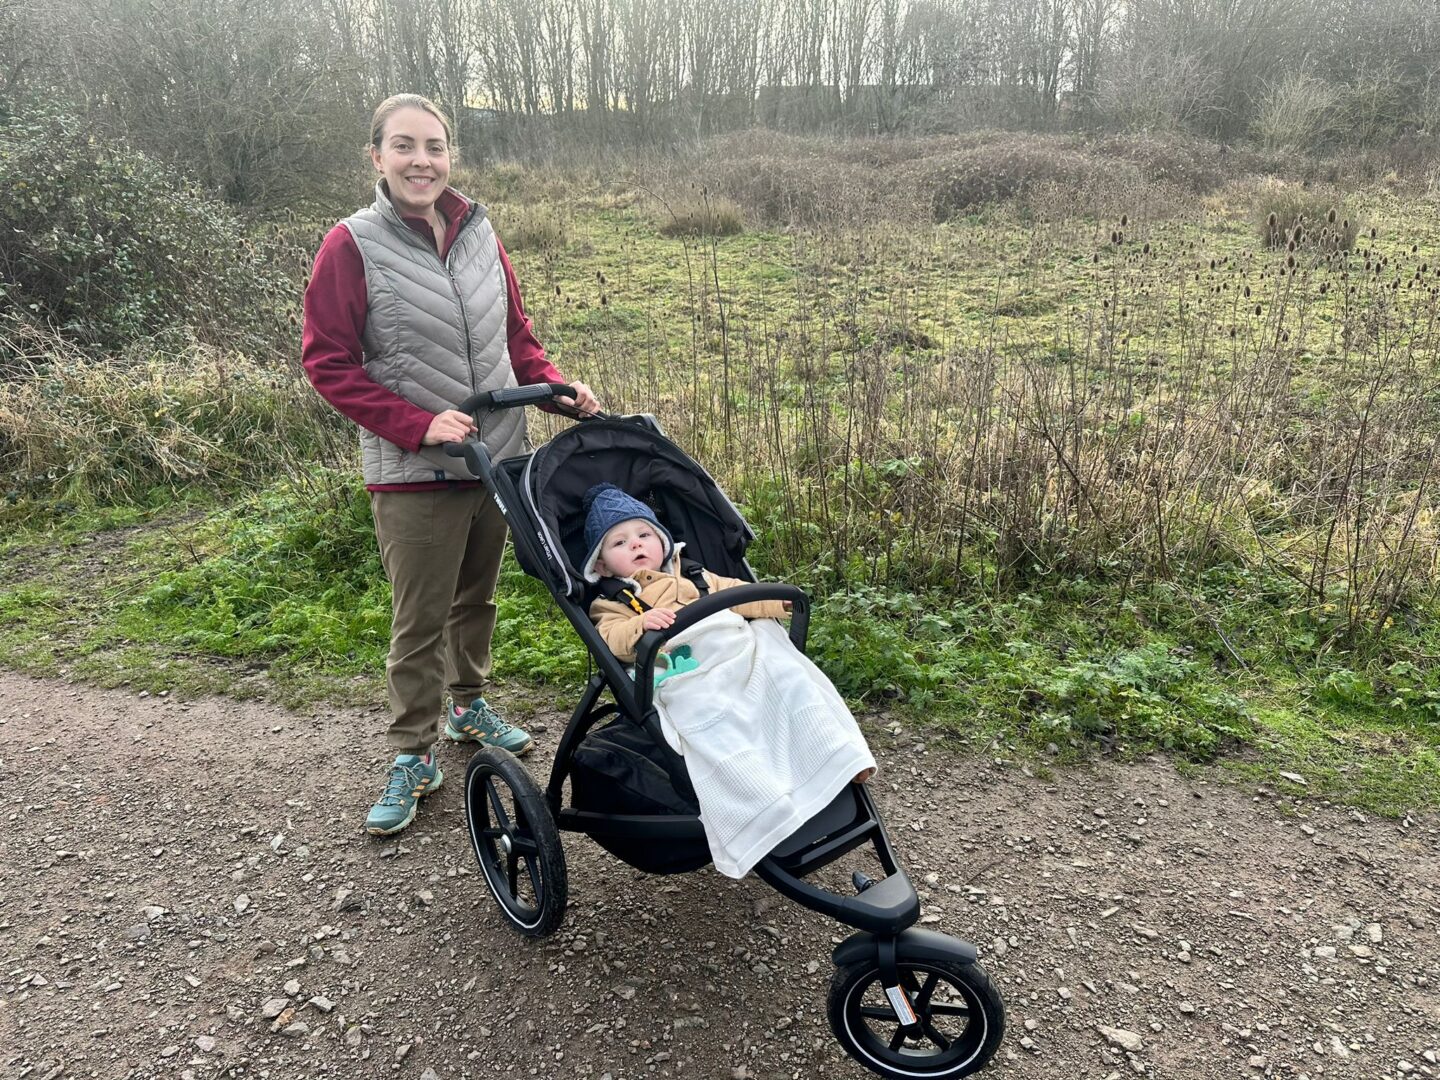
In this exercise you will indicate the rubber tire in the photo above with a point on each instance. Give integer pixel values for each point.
(848, 988)
(532, 833)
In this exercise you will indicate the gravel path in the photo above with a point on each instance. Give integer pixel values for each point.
(185, 892)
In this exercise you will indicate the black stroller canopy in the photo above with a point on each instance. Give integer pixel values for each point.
(646, 465)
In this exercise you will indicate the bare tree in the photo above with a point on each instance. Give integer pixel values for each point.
(220, 88)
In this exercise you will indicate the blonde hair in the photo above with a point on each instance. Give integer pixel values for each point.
(394, 104)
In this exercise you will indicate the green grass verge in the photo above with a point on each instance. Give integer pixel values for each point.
(282, 596)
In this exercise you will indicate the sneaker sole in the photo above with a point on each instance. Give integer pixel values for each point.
(375, 830)
(456, 735)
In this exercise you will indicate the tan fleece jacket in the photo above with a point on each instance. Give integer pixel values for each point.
(621, 625)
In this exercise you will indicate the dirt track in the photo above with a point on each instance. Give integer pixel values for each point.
(167, 868)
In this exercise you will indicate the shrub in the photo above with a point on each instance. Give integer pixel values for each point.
(787, 180)
(1280, 209)
(705, 215)
(108, 246)
(965, 179)
(541, 227)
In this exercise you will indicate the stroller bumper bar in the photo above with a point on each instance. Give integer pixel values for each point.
(651, 641)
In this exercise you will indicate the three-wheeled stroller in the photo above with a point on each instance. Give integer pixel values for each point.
(905, 1002)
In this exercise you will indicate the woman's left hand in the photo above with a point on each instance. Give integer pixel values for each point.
(585, 399)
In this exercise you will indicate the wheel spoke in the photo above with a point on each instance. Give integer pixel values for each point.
(948, 1009)
(524, 845)
(512, 863)
(492, 834)
(501, 817)
(899, 1040)
(534, 879)
(938, 1039)
(876, 1012)
(922, 999)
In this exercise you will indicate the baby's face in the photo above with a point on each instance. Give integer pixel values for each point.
(630, 546)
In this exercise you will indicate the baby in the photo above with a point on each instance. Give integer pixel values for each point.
(646, 584)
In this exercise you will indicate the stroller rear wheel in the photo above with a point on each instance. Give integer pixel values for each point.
(516, 842)
(959, 1018)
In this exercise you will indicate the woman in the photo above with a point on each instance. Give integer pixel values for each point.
(411, 308)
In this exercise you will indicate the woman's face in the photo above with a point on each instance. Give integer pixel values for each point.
(414, 159)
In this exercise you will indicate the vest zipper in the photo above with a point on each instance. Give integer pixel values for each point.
(460, 300)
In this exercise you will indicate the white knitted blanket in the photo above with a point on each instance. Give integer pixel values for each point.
(767, 740)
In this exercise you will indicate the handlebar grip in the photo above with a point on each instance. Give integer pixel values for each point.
(515, 396)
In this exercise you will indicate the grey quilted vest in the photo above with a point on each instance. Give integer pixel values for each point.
(435, 333)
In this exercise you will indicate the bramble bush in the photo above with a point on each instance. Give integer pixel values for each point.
(105, 245)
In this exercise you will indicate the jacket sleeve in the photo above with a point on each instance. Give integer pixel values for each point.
(620, 626)
(759, 609)
(335, 309)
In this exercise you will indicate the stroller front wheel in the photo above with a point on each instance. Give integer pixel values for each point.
(515, 842)
(959, 1018)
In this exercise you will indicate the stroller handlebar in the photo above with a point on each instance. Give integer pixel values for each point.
(651, 641)
(515, 396)
(511, 397)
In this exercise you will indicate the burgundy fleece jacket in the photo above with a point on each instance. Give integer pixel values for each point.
(336, 303)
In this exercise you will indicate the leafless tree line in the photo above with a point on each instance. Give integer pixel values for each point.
(230, 81)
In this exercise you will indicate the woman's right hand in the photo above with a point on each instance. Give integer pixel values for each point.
(657, 618)
(447, 427)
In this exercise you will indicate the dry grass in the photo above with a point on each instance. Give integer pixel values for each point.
(159, 415)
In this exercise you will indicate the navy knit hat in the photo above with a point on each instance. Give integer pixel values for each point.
(607, 506)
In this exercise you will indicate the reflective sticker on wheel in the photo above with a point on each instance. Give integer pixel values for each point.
(901, 1004)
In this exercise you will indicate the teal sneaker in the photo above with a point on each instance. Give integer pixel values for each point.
(411, 778)
(480, 723)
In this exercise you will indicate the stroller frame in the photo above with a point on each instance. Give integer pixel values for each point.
(897, 964)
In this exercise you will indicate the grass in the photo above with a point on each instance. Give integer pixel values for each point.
(991, 447)
(282, 597)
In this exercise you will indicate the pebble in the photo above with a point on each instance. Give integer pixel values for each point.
(292, 988)
(274, 1007)
(429, 1074)
(1128, 1041)
(1325, 952)
(242, 904)
(324, 1004)
(205, 1043)
(298, 1028)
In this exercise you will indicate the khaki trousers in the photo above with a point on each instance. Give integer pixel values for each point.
(442, 552)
